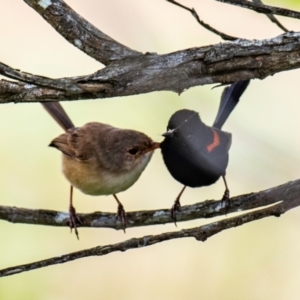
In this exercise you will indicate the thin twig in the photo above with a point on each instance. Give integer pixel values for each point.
(272, 18)
(224, 36)
(63, 84)
(264, 9)
(201, 233)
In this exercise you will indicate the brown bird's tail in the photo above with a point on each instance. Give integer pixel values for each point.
(58, 114)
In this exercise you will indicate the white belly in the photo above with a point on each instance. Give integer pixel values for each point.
(93, 182)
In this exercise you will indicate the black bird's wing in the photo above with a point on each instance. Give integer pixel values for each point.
(229, 99)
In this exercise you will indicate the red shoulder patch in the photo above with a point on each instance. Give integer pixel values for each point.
(215, 143)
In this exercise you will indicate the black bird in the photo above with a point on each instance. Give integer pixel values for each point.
(196, 154)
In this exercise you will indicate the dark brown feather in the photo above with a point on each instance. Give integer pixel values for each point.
(58, 114)
(61, 143)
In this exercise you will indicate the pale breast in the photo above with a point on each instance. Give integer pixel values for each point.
(91, 180)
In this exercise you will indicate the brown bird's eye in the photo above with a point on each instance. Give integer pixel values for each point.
(133, 151)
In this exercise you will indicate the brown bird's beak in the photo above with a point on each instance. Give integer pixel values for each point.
(153, 147)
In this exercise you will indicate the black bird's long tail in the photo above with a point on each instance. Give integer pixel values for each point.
(229, 99)
(58, 114)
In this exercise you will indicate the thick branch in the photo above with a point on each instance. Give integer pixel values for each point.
(221, 63)
(201, 233)
(80, 32)
(288, 192)
(264, 9)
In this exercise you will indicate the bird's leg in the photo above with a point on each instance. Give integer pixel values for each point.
(226, 196)
(121, 214)
(176, 206)
(72, 215)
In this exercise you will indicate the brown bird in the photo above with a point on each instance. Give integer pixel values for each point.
(99, 159)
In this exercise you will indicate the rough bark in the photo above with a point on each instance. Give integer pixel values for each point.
(287, 192)
(221, 63)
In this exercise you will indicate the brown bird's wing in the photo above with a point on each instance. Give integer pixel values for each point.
(78, 142)
(81, 141)
(61, 143)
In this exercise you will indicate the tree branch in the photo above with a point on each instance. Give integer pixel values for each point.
(287, 192)
(201, 233)
(80, 32)
(224, 36)
(220, 63)
(272, 18)
(62, 84)
(264, 9)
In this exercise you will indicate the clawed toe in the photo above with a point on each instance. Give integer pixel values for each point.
(74, 220)
(225, 201)
(121, 215)
(174, 209)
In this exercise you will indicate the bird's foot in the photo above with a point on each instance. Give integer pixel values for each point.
(121, 215)
(225, 201)
(74, 220)
(174, 209)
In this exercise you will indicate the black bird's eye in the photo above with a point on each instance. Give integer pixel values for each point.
(133, 151)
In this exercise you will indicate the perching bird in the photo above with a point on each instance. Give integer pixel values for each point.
(196, 154)
(99, 159)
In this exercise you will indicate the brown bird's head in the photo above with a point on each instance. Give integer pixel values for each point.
(127, 149)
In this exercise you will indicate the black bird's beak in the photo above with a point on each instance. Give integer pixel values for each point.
(168, 133)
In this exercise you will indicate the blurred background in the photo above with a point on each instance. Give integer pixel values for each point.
(259, 260)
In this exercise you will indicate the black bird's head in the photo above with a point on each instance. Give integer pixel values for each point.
(182, 121)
